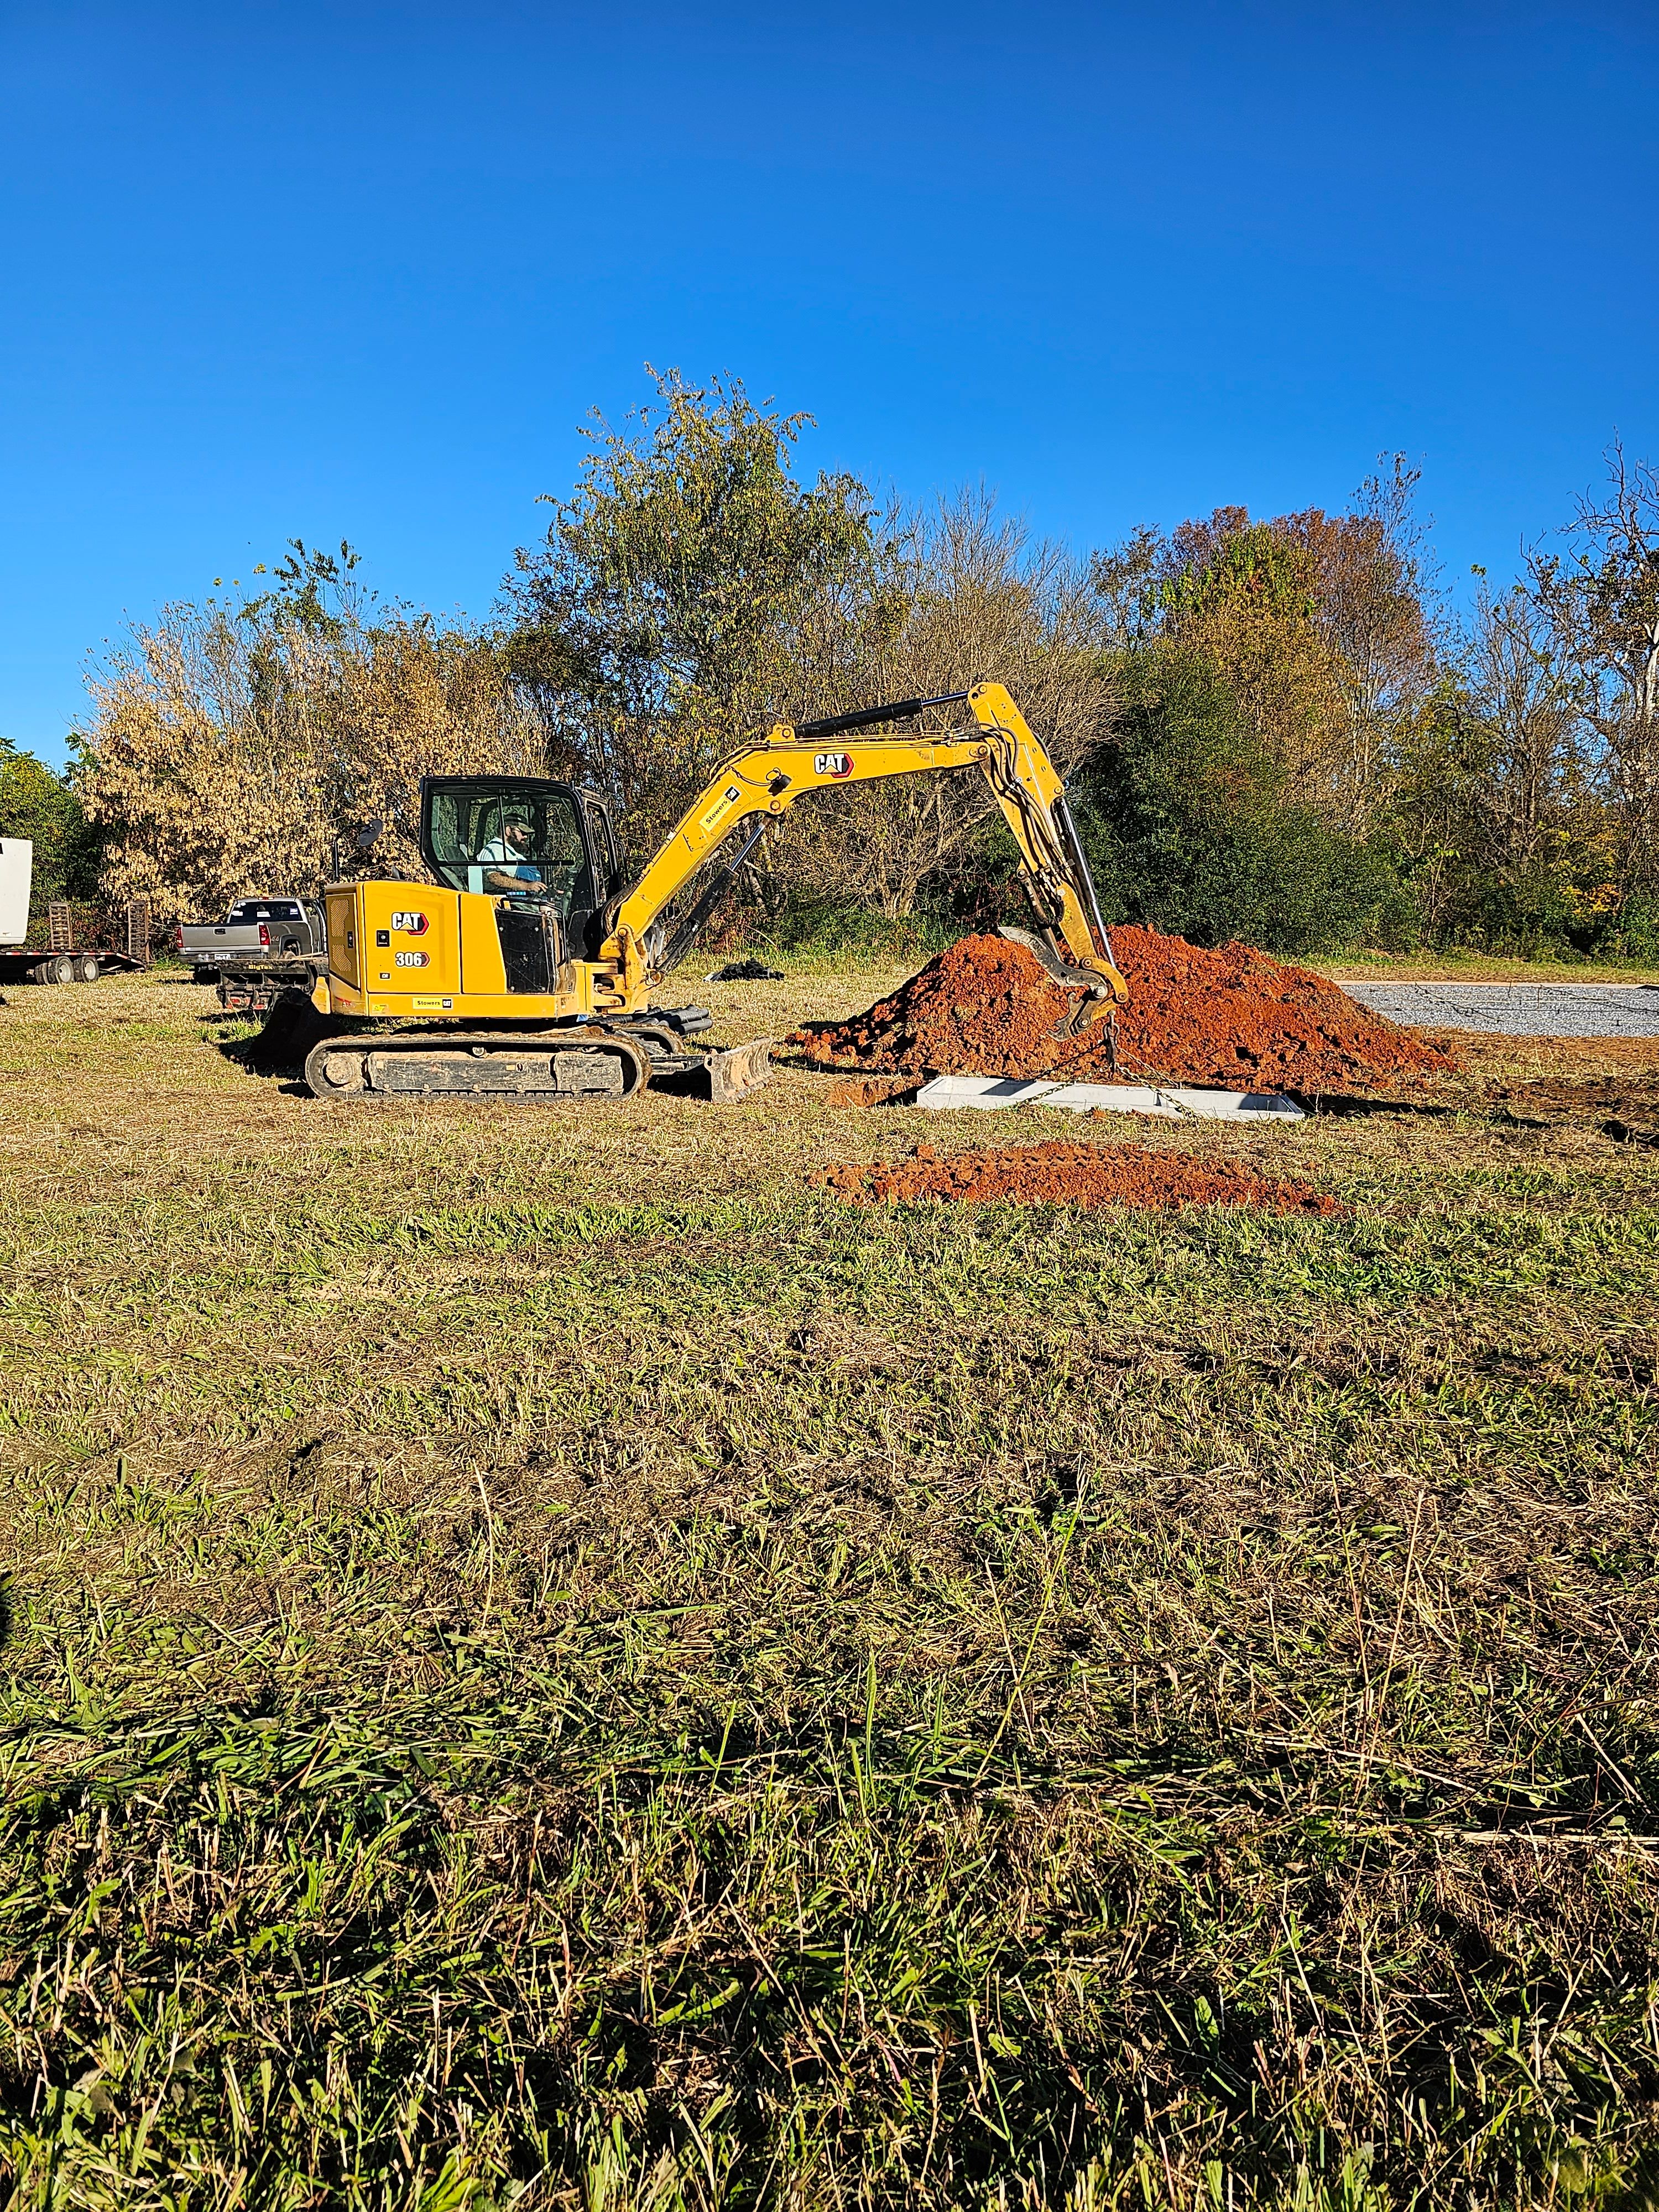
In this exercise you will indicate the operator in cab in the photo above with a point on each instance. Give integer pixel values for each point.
(507, 863)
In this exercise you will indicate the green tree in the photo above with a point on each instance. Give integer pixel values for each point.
(39, 805)
(662, 617)
(1189, 829)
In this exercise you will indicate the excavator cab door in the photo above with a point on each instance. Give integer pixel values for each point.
(606, 846)
(543, 850)
(491, 834)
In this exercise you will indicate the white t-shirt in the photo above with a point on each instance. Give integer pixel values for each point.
(506, 862)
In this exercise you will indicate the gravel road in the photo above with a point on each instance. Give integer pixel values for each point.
(1567, 1009)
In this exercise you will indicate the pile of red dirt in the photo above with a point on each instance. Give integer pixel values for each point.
(1076, 1174)
(1234, 1019)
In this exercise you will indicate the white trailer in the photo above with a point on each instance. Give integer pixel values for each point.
(16, 882)
(63, 961)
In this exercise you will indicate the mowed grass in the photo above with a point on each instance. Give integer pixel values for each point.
(1458, 964)
(550, 1661)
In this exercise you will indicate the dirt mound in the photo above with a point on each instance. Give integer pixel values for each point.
(1233, 1018)
(875, 1091)
(1076, 1175)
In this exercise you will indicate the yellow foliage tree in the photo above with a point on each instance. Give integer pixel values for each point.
(1246, 596)
(233, 749)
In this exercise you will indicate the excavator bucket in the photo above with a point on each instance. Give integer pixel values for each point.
(1098, 1001)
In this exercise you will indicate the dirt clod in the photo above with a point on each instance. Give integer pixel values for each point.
(1062, 1174)
(1234, 1019)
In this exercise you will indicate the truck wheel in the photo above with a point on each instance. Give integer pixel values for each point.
(86, 969)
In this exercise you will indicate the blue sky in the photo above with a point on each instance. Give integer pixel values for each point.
(268, 271)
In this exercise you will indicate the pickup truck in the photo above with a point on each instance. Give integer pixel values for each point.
(263, 945)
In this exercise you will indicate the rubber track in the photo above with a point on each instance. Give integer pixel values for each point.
(465, 1047)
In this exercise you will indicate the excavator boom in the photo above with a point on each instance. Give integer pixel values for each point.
(765, 780)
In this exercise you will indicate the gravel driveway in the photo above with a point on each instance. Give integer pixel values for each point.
(1567, 1009)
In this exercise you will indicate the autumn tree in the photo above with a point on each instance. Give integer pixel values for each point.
(236, 744)
(1244, 596)
(1268, 672)
(1370, 576)
(1601, 600)
(687, 593)
(1320, 624)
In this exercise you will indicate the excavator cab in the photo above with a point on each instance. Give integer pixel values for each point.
(525, 838)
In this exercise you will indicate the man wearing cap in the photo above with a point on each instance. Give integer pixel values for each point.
(506, 860)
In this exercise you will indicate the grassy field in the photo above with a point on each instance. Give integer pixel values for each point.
(1451, 964)
(550, 1662)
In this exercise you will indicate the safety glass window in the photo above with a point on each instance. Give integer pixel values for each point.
(604, 851)
(521, 846)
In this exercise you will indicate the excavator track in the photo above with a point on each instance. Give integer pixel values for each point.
(530, 1068)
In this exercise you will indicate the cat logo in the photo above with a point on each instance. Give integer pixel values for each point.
(414, 924)
(832, 763)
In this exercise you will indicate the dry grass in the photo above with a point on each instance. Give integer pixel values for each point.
(550, 1661)
(1454, 965)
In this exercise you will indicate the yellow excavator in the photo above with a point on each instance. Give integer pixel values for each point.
(525, 967)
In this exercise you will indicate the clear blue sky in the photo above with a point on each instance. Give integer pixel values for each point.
(276, 270)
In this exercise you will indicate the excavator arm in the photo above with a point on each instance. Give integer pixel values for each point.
(764, 781)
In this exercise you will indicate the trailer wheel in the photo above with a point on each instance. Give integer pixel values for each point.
(60, 969)
(86, 969)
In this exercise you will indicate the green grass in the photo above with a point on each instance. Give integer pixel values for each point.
(550, 1661)
(1456, 964)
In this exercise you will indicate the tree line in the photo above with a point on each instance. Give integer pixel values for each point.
(1275, 729)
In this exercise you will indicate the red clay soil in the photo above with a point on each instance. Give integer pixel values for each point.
(875, 1091)
(1234, 1019)
(1076, 1175)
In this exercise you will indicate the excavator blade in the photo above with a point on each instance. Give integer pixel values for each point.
(722, 1077)
(726, 1076)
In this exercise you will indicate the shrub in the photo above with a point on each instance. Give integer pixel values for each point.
(1186, 822)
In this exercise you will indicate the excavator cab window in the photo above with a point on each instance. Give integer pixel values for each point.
(607, 865)
(518, 837)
